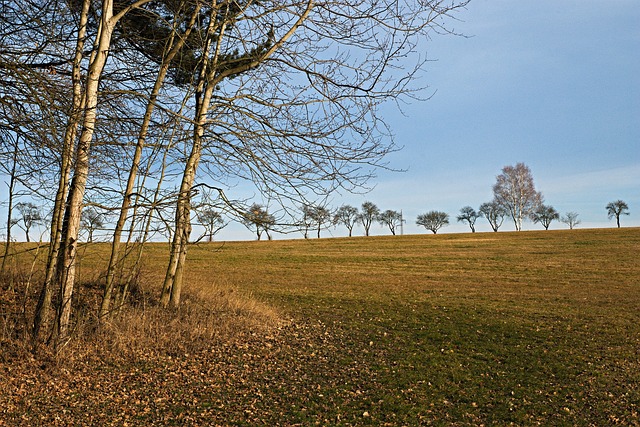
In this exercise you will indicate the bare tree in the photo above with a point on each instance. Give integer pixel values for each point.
(67, 255)
(315, 216)
(211, 220)
(470, 216)
(307, 218)
(571, 219)
(515, 191)
(433, 220)
(494, 213)
(348, 216)
(391, 219)
(260, 220)
(368, 214)
(29, 216)
(172, 39)
(9, 164)
(91, 221)
(617, 208)
(545, 215)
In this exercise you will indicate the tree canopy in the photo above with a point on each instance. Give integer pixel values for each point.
(433, 220)
(616, 209)
(515, 191)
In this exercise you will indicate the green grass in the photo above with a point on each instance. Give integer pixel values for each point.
(529, 328)
(493, 328)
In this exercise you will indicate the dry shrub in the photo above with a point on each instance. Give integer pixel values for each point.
(207, 317)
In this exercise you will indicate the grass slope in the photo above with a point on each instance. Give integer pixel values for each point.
(529, 328)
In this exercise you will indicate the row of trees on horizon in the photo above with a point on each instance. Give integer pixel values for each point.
(515, 197)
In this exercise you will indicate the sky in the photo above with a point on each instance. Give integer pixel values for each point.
(552, 84)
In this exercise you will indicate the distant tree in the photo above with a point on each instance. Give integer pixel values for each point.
(571, 219)
(617, 208)
(29, 215)
(544, 215)
(494, 213)
(348, 216)
(433, 220)
(320, 216)
(91, 221)
(515, 192)
(307, 219)
(368, 215)
(259, 219)
(469, 215)
(211, 220)
(392, 219)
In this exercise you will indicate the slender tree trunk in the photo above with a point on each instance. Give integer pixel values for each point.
(66, 269)
(12, 185)
(41, 318)
(208, 79)
(172, 286)
(66, 266)
(172, 50)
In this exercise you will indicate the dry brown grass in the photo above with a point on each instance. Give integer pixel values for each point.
(210, 312)
(530, 328)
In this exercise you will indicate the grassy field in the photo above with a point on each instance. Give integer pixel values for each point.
(529, 328)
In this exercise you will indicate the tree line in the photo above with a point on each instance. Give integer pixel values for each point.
(515, 197)
(153, 111)
(209, 214)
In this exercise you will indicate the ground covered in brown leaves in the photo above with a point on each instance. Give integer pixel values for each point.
(295, 374)
(536, 328)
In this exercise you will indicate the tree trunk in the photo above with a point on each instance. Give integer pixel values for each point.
(12, 185)
(172, 286)
(66, 269)
(172, 50)
(41, 318)
(66, 266)
(208, 79)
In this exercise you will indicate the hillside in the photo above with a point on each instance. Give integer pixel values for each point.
(530, 328)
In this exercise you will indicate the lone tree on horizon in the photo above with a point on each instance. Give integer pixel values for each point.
(368, 215)
(347, 215)
(544, 215)
(91, 221)
(494, 214)
(617, 208)
(258, 218)
(390, 218)
(515, 192)
(470, 216)
(571, 219)
(29, 216)
(433, 220)
(211, 220)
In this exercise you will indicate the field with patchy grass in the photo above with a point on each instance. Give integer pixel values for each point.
(529, 328)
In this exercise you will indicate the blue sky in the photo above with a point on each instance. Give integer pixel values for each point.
(553, 84)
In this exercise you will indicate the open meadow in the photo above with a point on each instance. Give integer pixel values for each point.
(527, 328)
